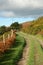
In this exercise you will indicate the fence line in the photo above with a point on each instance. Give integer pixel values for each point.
(9, 36)
(6, 42)
(4, 39)
(11, 32)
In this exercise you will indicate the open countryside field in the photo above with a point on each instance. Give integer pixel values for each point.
(26, 50)
(22, 44)
(21, 32)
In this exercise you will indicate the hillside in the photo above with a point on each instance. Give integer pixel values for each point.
(33, 27)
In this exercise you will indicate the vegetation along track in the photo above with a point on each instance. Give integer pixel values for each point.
(23, 60)
(34, 53)
(13, 54)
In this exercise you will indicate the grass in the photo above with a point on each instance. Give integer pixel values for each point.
(35, 55)
(39, 36)
(35, 52)
(12, 56)
(31, 52)
(39, 60)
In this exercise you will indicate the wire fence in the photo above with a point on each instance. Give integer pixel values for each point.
(6, 42)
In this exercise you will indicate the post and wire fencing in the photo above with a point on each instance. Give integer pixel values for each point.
(7, 42)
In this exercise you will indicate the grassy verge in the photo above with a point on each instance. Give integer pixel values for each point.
(39, 52)
(39, 37)
(12, 56)
(35, 52)
(31, 52)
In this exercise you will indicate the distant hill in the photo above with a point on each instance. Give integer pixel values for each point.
(33, 27)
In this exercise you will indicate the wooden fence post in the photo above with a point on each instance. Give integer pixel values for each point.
(4, 39)
(8, 36)
(11, 32)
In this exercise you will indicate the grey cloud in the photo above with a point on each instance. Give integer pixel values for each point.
(29, 12)
(21, 8)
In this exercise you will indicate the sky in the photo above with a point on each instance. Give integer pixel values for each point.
(9, 21)
(19, 10)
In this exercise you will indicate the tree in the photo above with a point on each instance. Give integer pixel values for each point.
(15, 25)
(2, 29)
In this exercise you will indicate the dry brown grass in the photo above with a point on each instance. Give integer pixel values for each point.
(8, 43)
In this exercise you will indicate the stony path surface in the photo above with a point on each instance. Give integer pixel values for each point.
(23, 60)
(25, 54)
